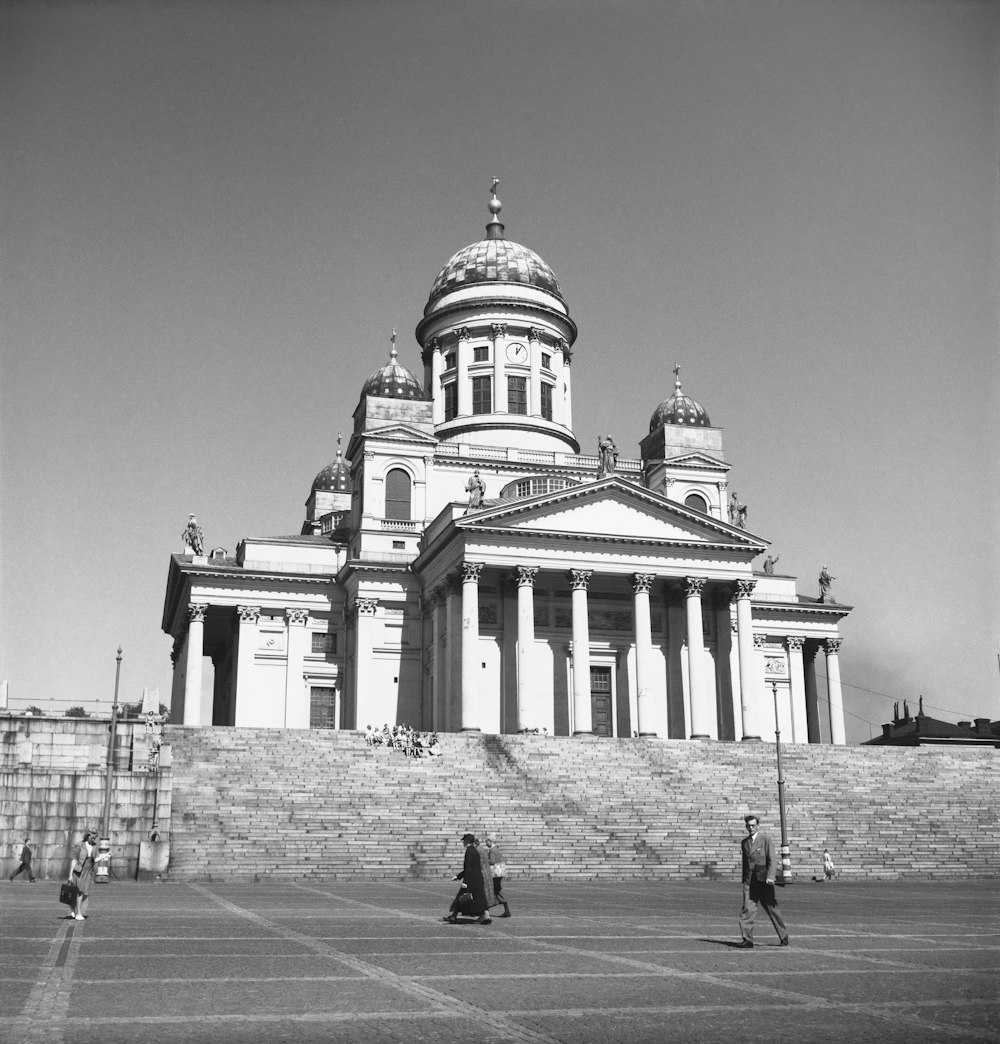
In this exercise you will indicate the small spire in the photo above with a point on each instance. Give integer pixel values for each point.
(392, 350)
(494, 230)
(677, 376)
(339, 454)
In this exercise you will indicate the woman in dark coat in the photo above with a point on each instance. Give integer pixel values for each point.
(476, 895)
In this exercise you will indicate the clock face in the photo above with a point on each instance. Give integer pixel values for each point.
(517, 353)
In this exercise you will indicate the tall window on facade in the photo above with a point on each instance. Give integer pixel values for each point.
(397, 494)
(694, 500)
(481, 353)
(546, 361)
(449, 361)
(450, 401)
(482, 395)
(517, 394)
(546, 401)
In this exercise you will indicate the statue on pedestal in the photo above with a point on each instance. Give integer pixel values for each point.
(826, 586)
(770, 563)
(476, 489)
(194, 539)
(607, 456)
(737, 512)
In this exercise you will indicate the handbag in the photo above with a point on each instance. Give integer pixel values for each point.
(499, 869)
(67, 893)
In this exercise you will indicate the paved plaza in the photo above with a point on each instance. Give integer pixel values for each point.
(605, 962)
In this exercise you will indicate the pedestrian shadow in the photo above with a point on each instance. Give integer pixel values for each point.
(723, 942)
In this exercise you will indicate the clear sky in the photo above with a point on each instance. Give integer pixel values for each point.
(214, 213)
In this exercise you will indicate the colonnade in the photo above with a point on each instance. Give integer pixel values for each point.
(701, 703)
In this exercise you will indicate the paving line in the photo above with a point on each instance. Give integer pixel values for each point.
(42, 1020)
(442, 1002)
(794, 997)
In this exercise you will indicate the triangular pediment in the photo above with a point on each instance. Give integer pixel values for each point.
(698, 461)
(610, 509)
(399, 433)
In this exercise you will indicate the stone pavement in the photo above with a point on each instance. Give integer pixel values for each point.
(578, 962)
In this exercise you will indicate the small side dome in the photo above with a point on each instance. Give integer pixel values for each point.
(679, 409)
(335, 477)
(393, 381)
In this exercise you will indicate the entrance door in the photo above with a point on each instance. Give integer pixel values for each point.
(600, 700)
(322, 707)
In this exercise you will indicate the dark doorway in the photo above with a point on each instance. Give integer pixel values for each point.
(600, 700)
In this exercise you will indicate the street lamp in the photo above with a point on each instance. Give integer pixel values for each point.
(786, 859)
(104, 844)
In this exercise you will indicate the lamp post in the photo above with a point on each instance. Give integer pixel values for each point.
(786, 859)
(104, 844)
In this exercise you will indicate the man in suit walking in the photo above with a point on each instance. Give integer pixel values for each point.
(760, 867)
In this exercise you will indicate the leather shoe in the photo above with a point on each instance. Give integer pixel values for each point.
(745, 945)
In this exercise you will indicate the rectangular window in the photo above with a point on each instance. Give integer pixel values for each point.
(322, 707)
(450, 401)
(546, 401)
(546, 361)
(449, 361)
(600, 679)
(482, 395)
(324, 642)
(481, 353)
(517, 395)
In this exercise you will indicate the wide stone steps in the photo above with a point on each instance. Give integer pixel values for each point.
(306, 803)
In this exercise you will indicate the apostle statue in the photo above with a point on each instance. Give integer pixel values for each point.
(476, 489)
(770, 563)
(737, 512)
(607, 456)
(194, 539)
(826, 586)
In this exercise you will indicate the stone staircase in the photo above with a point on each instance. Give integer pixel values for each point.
(271, 804)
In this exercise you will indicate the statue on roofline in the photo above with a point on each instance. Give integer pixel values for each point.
(607, 456)
(194, 539)
(826, 586)
(737, 512)
(476, 489)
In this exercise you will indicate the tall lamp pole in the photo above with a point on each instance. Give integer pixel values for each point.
(786, 858)
(104, 845)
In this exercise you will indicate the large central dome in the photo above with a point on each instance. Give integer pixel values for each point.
(493, 260)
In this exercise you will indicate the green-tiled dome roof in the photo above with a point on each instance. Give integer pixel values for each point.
(679, 409)
(493, 260)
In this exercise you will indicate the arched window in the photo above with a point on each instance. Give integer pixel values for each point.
(696, 501)
(397, 494)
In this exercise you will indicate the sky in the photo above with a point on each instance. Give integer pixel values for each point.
(214, 215)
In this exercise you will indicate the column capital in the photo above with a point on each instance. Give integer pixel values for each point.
(462, 333)
(296, 616)
(694, 585)
(795, 642)
(365, 606)
(744, 588)
(642, 582)
(471, 571)
(759, 641)
(498, 330)
(526, 575)
(248, 613)
(196, 612)
(534, 334)
(833, 645)
(579, 578)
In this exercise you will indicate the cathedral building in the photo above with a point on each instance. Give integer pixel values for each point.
(463, 567)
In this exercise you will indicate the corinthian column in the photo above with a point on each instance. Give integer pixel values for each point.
(645, 710)
(797, 684)
(471, 671)
(749, 686)
(834, 692)
(583, 724)
(195, 654)
(246, 647)
(526, 710)
(296, 703)
(701, 708)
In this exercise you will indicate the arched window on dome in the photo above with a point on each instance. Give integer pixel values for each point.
(696, 501)
(398, 494)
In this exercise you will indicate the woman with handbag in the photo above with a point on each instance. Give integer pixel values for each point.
(498, 868)
(81, 872)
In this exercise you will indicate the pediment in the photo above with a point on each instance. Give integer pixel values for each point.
(400, 433)
(698, 461)
(609, 509)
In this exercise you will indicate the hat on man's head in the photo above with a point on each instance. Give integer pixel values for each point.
(468, 837)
